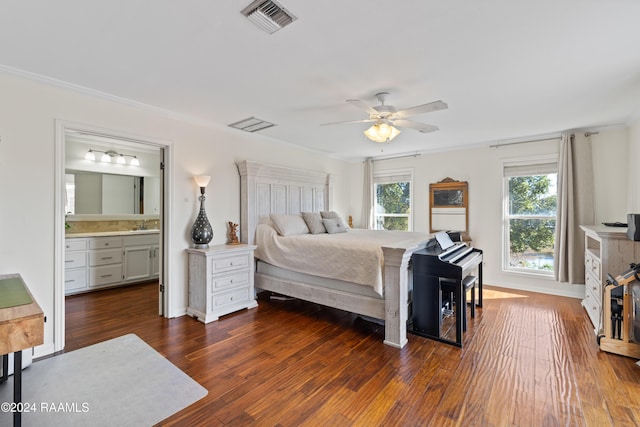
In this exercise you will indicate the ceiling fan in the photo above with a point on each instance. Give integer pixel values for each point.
(387, 119)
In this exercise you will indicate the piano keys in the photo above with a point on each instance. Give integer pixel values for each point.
(442, 264)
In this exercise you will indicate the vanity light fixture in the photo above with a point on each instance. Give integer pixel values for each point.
(107, 157)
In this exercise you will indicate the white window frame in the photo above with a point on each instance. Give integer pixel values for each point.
(527, 166)
(388, 177)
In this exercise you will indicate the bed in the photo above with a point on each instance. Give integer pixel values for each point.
(268, 191)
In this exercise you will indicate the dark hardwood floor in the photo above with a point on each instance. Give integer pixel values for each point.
(528, 360)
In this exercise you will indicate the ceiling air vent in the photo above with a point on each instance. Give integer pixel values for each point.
(252, 124)
(268, 15)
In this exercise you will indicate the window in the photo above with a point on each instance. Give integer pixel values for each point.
(530, 215)
(392, 203)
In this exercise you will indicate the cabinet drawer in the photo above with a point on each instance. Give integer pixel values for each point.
(75, 244)
(236, 262)
(145, 239)
(237, 279)
(75, 279)
(75, 260)
(109, 256)
(230, 298)
(105, 243)
(104, 275)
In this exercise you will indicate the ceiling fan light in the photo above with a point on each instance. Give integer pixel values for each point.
(381, 132)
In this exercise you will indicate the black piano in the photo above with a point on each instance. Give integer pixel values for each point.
(442, 266)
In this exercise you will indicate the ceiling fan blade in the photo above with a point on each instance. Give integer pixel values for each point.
(349, 122)
(422, 109)
(360, 105)
(422, 127)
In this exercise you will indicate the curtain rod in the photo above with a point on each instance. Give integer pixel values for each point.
(586, 134)
(398, 157)
(523, 142)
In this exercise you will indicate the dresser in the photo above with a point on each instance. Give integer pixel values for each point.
(607, 251)
(220, 281)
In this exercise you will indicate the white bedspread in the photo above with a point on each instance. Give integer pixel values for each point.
(355, 256)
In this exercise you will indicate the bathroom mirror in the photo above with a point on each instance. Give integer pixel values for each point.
(110, 194)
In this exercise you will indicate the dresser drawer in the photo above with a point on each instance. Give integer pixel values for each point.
(75, 260)
(231, 280)
(75, 244)
(75, 279)
(230, 263)
(105, 275)
(105, 243)
(109, 256)
(594, 287)
(237, 296)
(593, 308)
(592, 265)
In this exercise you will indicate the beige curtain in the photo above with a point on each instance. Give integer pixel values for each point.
(367, 198)
(575, 206)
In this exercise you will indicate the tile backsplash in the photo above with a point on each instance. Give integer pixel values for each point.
(116, 225)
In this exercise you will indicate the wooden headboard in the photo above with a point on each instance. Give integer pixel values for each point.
(267, 189)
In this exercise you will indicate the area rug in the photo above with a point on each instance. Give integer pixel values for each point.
(120, 382)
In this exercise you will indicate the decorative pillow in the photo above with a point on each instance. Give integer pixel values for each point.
(334, 215)
(287, 225)
(334, 225)
(329, 214)
(314, 222)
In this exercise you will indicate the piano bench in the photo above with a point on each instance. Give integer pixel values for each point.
(468, 283)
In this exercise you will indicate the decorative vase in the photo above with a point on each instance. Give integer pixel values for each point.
(201, 232)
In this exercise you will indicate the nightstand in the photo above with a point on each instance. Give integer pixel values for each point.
(220, 281)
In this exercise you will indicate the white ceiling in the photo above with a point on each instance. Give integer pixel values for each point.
(508, 69)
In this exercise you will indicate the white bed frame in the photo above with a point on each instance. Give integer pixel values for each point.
(267, 189)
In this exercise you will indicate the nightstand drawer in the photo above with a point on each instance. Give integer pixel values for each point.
(236, 262)
(231, 280)
(75, 260)
(237, 296)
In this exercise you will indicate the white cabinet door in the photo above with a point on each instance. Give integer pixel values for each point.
(155, 261)
(137, 263)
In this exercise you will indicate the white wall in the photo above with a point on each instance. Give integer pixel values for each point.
(28, 111)
(610, 175)
(482, 168)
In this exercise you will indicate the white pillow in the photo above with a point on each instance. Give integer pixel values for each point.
(334, 215)
(314, 222)
(334, 225)
(287, 225)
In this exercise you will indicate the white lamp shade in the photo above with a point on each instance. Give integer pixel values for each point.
(134, 162)
(202, 180)
(90, 156)
(121, 160)
(105, 158)
(381, 132)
